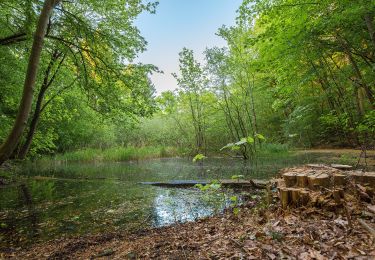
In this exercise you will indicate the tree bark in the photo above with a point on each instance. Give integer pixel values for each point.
(38, 107)
(14, 136)
(370, 27)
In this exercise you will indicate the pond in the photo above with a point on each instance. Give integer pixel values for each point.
(59, 200)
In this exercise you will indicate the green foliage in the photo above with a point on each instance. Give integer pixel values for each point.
(300, 73)
(247, 144)
(199, 157)
(236, 211)
(274, 148)
(116, 154)
(260, 138)
(347, 159)
(214, 186)
(93, 87)
(237, 177)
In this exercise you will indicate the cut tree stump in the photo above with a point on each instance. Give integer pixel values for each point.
(295, 195)
(365, 178)
(342, 166)
(284, 197)
(304, 197)
(290, 179)
(338, 195)
(302, 180)
(339, 179)
(322, 180)
(318, 180)
(299, 184)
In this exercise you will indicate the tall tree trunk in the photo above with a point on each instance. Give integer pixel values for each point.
(47, 81)
(14, 136)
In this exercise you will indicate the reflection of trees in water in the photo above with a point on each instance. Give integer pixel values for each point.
(201, 171)
(32, 217)
(181, 205)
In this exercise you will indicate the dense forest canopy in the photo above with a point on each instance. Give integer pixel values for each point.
(294, 72)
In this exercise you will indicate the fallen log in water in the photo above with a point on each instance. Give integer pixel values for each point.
(258, 184)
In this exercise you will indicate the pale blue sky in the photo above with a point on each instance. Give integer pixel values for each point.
(178, 24)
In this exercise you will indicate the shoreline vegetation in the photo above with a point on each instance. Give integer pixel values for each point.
(129, 153)
(117, 154)
(9, 172)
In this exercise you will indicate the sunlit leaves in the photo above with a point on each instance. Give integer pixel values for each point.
(199, 157)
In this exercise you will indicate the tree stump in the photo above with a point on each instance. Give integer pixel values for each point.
(369, 178)
(319, 180)
(280, 183)
(342, 166)
(304, 197)
(302, 181)
(290, 179)
(294, 195)
(300, 186)
(284, 197)
(339, 179)
(338, 195)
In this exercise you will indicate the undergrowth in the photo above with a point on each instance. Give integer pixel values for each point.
(117, 154)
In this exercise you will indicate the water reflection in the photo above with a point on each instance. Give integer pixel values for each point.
(181, 205)
(71, 199)
(32, 216)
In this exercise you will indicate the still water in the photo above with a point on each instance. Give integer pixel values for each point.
(57, 199)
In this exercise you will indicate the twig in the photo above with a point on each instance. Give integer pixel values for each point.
(240, 246)
(371, 209)
(348, 216)
(368, 228)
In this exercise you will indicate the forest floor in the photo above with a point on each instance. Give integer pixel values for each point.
(301, 234)
(327, 231)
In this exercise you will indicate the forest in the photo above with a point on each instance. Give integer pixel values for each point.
(298, 74)
(294, 75)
